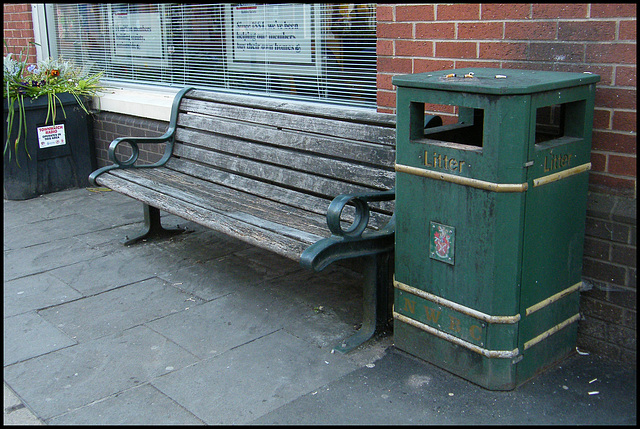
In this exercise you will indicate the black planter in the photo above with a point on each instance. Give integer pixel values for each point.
(53, 166)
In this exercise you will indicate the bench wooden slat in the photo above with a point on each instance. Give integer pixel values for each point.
(331, 168)
(279, 238)
(289, 197)
(210, 197)
(350, 114)
(272, 241)
(296, 122)
(321, 186)
(332, 147)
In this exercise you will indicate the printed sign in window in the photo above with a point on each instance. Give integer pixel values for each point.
(273, 38)
(51, 136)
(137, 34)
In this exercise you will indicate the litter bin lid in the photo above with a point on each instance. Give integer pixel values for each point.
(495, 81)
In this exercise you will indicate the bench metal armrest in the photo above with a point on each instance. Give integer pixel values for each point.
(361, 216)
(354, 241)
(167, 137)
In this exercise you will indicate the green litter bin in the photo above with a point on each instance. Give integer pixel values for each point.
(490, 215)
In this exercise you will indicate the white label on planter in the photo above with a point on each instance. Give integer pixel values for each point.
(51, 136)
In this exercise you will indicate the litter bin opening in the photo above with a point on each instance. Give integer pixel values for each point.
(454, 124)
(559, 120)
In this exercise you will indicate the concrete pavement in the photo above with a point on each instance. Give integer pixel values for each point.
(201, 329)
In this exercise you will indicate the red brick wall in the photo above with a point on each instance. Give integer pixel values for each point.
(18, 31)
(601, 38)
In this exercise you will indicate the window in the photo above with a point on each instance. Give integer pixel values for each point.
(323, 52)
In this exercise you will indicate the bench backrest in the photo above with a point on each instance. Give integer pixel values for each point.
(298, 153)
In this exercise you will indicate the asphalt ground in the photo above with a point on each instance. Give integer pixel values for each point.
(202, 329)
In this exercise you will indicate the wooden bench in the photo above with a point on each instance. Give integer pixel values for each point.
(311, 182)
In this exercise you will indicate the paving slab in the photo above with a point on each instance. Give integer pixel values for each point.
(15, 412)
(118, 309)
(244, 383)
(39, 258)
(35, 292)
(56, 383)
(28, 335)
(140, 405)
(212, 328)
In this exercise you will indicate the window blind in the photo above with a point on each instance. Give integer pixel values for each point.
(323, 52)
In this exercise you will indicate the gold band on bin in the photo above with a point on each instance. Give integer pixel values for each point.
(504, 354)
(455, 306)
(546, 334)
(465, 181)
(561, 174)
(553, 298)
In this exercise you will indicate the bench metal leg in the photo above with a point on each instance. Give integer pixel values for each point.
(375, 301)
(153, 227)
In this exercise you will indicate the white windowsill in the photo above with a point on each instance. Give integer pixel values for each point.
(145, 102)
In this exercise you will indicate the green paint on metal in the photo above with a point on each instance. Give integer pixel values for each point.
(461, 237)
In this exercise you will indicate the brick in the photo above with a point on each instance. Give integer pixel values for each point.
(596, 249)
(618, 53)
(598, 161)
(384, 47)
(615, 98)
(606, 230)
(602, 119)
(505, 11)
(605, 71)
(601, 310)
(612, 10)
(624, 121)
(457, 12)
(628, 30)
(460, 64)
(384, 13)
(559, 10)
(394, 31)
(386, 99)
(591, 327)
(394, 65)
(480, 30)
(435, 30)
(422, 12)
(426, 65)
(612, 185)
(587, 30)
(384, 81)
(445, 110)
(556, 52)
(503, 50)
(537, 30)
(624, 255)
(456, 49)
(414, 48)
(622, 165)
(625, 76)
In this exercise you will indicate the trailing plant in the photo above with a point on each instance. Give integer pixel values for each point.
(48, 78)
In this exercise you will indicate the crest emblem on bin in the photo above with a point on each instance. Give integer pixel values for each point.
(441, 242)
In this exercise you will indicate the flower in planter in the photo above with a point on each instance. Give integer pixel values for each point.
(48, 78)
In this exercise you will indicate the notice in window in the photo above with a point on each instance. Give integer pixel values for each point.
(272, 33)
(51, 136)
(137, 35)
